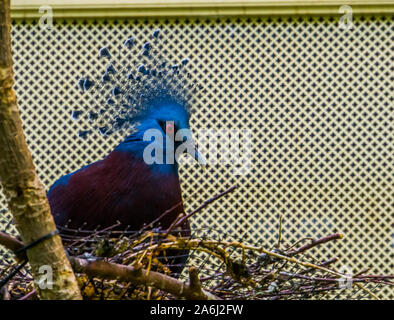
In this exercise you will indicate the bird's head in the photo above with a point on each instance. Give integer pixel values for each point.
(162, 132)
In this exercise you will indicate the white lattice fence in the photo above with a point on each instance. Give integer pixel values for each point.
(318, 100)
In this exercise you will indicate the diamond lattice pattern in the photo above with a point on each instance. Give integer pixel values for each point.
(317, 99)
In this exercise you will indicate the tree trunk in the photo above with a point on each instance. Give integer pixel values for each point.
(24, 192)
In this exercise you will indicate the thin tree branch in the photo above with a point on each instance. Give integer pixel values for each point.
(112, 271)
(181, 220)
(315, 243)
(12, 244)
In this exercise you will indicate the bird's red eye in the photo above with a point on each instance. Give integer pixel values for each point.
(167, 126)
(170, 127)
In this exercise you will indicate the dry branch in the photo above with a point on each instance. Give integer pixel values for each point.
(315, 243)
(182, 219)
(112, 271)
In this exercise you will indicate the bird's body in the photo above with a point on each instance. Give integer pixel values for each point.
(121, 187)
(130, 185)
(138, 181)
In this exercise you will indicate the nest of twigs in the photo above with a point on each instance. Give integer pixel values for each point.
(136, 265)
(222, 270)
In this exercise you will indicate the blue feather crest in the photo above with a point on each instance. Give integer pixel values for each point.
(132, 86)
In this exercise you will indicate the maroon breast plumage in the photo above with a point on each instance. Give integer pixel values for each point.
(120, 188)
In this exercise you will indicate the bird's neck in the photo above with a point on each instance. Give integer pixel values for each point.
(142, 150)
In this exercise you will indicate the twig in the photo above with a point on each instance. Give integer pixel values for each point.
(18, 268)
(29, 295)
(324, 264)
(280, 231)
(194, 282)
(12, 244)
(161, 216)
(206, 203)
(314, 243)
(98, 232)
